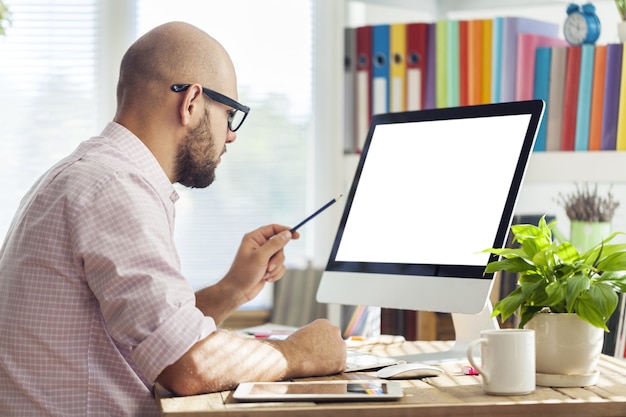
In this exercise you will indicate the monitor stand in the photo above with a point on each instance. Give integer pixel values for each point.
(467, 328)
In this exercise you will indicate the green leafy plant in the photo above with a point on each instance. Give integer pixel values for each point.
(621, 8)
(556, 276)
(4, 17)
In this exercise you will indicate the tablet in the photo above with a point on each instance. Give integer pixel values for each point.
(318, 391)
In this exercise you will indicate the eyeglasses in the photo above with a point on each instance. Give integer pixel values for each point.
(235, 116)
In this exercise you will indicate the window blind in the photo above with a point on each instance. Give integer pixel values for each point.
(52, 91)
(48, 79)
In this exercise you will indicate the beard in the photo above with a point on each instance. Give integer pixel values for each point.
(196, 162)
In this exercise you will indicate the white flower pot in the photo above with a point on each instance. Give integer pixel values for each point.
(568, 349)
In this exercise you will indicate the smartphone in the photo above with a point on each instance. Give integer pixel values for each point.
(319, 391)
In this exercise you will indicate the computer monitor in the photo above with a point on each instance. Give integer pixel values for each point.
(433, 189)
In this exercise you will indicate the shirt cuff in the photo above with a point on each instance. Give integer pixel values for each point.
(171, 340)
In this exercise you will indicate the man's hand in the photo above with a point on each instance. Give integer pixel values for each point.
(260, 259)
(314, 350)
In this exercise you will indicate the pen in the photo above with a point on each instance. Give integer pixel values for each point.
(321, 209)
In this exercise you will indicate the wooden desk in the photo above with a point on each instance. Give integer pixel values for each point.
(450, 394)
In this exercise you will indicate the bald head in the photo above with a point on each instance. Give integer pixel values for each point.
(172, 53)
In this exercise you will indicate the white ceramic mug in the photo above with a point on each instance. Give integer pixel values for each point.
(507, 364)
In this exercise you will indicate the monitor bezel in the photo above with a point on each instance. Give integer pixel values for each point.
(532, 107)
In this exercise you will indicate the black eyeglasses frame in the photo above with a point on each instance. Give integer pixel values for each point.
(220, 98)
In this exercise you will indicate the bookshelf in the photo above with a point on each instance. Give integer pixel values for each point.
(330, 117)
(551, 169)
(544, 167)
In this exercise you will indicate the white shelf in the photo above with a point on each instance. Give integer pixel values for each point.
(598, 166)
(556, 167)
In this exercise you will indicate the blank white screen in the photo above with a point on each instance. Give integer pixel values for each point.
(433, 192)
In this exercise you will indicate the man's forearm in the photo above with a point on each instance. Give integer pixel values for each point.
(223, 360)
(218, 302)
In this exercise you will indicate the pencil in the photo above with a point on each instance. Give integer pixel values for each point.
(321, 209)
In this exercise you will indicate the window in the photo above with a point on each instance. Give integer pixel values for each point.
(262, 177)
(48, 77)
(50, 104)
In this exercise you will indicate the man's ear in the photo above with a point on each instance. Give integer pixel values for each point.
(191, 103)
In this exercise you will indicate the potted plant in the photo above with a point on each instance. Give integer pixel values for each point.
(557, 282)
(590, 215)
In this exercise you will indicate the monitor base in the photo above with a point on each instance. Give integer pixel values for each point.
(467, 328)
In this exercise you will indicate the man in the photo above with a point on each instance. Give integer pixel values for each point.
(93, 307)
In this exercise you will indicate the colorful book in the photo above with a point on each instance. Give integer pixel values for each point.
(475, 53)
(463, 62)
(363, 87)
(349, 81)
(452, 63)
(620, 144)
(496, 58)
(485, 77)
(527, 44)
(380, 69)
(554, 125)
(511, 28)
(416, 43)
(441, 64)
(570, 98)
(610, 114)
(583, 106)
(397, 67)
(597, 101)
(541, 91)
(431, 67)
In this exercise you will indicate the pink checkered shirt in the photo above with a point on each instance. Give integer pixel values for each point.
(93, 305)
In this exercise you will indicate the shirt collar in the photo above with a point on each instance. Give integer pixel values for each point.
(141, 157)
